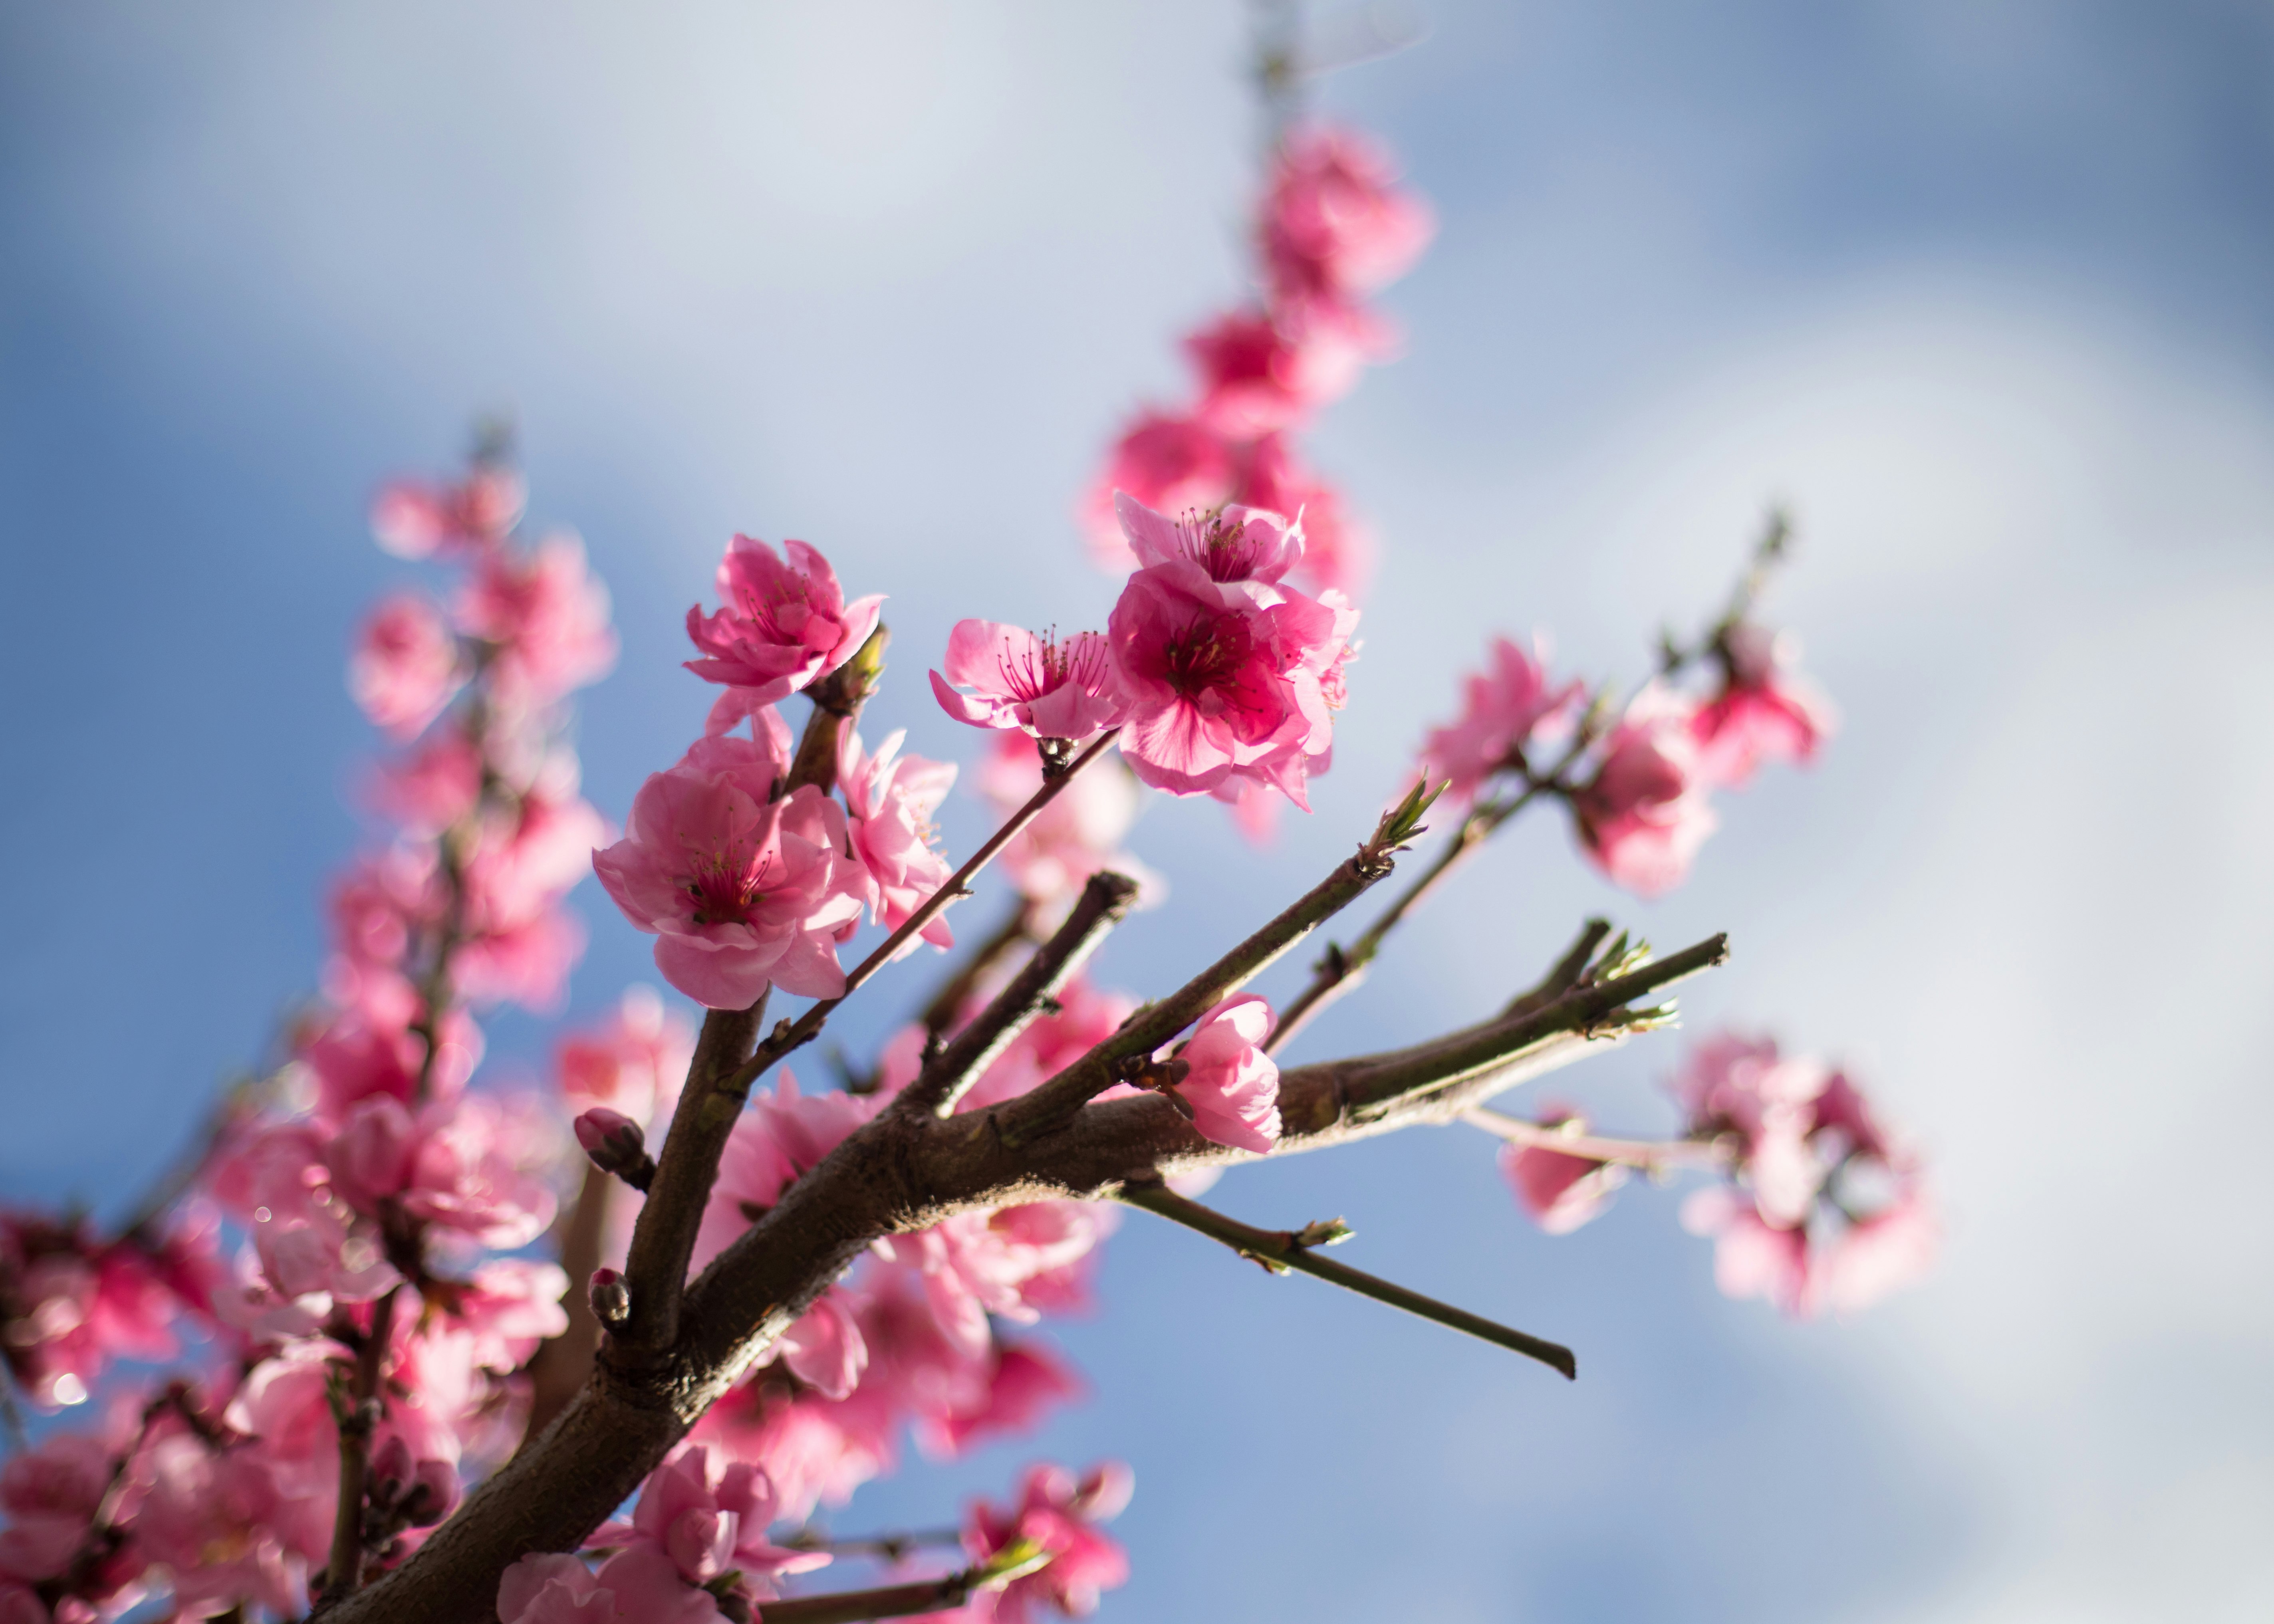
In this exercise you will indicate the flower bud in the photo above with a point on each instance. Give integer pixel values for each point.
(611, 1300)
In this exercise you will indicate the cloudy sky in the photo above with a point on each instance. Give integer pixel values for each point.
(1981, 289)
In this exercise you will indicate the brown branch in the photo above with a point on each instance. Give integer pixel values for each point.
(896, 1601)
(663, 1238)
(949, 1074)
(344, 1573)
(1280, 1251)
(902, 1172)
(836, 699)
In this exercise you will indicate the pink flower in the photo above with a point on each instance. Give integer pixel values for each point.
(781, 625)
(434, 787)
(1644, 815)
(1024, 1382)
(1233, 544)
(405, 666)
(1766, 710)
(739, 891)
(782, 1136)
(1220, 686)
(1260, 372)
(1168, 463)
(1505, 706)
(217, 1521)
(1233, 1086)
(50, 1494)
(1053, 689)
(709, 1519)
(635, 1063)
(547, 618)
(554, 1589)
(1335, 224)
(471, 1165)
(414, 519)
(1062, 1515)
(891, 799)
(1562, 1191)
(1880, 1253)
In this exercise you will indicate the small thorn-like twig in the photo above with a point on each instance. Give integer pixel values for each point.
(1281, 1251)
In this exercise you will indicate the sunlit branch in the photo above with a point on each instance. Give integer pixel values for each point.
(1282, 1249)
(1650, 1155)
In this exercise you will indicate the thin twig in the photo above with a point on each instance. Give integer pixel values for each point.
(1341, 969)
(343, 1574)
(939, 1015)
(1648, 1154)
(1281, 1250)
(895, 1601)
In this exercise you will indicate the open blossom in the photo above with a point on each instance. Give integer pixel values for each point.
(1225, 673)
(1026, 1382)
(780, 625)
(467, 1165)
(1335, 223)
(50, 1495)
(405, 666)
(1767, 710)
(1231, 543)
(225, 1530)
(547, 618)
(1645, 814)
(1504, 706)
(1803, 1138)
(72, 1304)
(1061, 1513)
(893, 798)
(1233, 1086)
(740, 891)
(1337, 553)
(1020, 678)
(710, 1517)
(638, 1585)
(415, 518)
(1560, 1191)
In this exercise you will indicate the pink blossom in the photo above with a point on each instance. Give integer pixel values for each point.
(740, 890)
(1016, 1262)
(1645, 814)
(1558, 1190)
(433, 787)
(1876, 1255)
(1085, 1018)
(1219, 689)
(1019, 678)
(518, 942)
(71, 1304)
(311, 1246)
(1025, 1381)
(1233, 1086)
(710, 1518)
(1228, 545)
(1260, 372)
(1077, 834)
(546, 617)
(781, 624)
(891, 799)
(215, 1521)
(634, 1063)
(468, 1165)
(1766, 710)
(1062, 1516)
(51, 1494)
(1167, 462)
(1335, 223)
(414, 519)
(509, 1307)
(1505, 706)
(637, 1586)
(405, 666)
(355, 1060)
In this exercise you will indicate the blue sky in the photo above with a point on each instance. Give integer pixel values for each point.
(1981, 289)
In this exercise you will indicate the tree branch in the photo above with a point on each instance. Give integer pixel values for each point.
(344, 1573)
(1282, 1249)
(663, 1238)
(894, 1601)
(905, 1172)
(1650, 1155)
(561, 1363)
(939, 1014)
(949, 1074)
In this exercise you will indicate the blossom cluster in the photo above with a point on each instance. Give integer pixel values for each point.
(1639, 781)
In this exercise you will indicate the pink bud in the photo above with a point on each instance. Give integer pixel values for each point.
(600, 1125)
